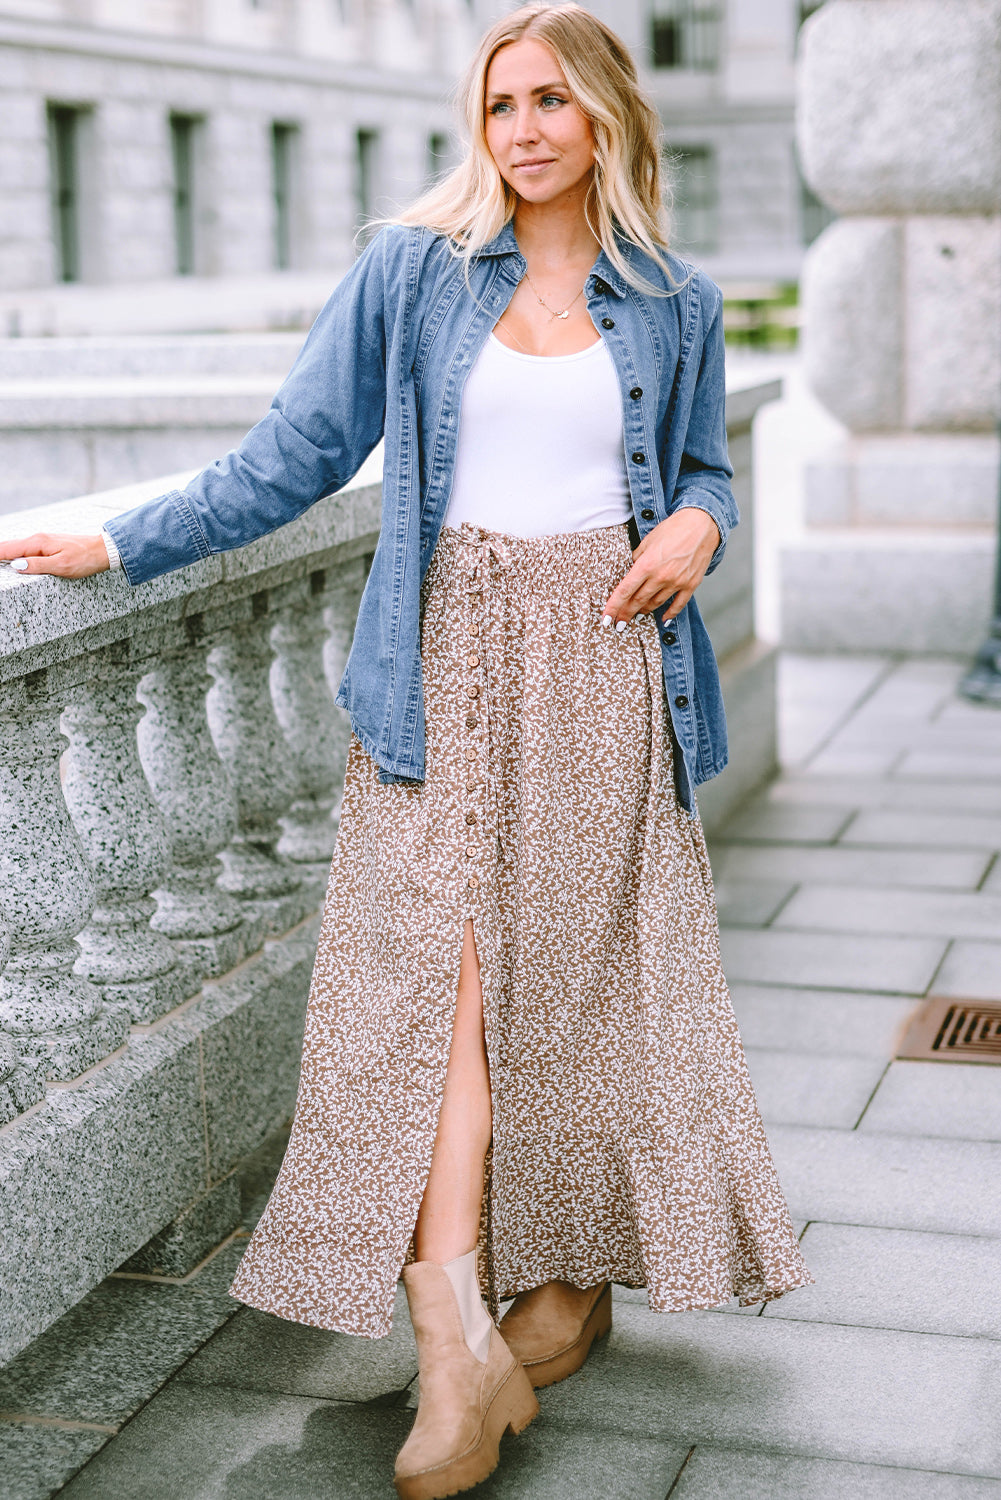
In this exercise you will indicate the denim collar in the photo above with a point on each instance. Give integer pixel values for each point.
(505, 243)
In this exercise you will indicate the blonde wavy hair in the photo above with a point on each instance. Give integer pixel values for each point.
(626, 195)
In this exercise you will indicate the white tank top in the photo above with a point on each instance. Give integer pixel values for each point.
(540, 445)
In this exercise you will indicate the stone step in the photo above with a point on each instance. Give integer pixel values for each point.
(115, 358)
(154, 401)
(278, 300)
(887, 590)
(85, 414)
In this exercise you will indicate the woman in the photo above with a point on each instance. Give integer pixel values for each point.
(518, 984)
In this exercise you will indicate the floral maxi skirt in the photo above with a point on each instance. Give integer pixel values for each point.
(627, 1144)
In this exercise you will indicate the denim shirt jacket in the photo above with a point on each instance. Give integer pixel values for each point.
(388, 357)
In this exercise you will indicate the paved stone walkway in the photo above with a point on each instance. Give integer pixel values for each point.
(868, 876)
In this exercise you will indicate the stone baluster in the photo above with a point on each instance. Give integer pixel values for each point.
(198, 805)
(309, 721)
(343, 597)
(123, 835)
(253, 749)
(47, 892)
(22, 1079)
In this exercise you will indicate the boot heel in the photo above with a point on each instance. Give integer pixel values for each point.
(602, 1315)
(521, 1405)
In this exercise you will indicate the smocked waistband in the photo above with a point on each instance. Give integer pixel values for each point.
(535, 564)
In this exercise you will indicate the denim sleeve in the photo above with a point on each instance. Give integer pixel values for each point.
(324, 421)
(706, 471)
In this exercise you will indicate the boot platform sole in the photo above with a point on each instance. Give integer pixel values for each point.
(513, 1407)
(554, 1367)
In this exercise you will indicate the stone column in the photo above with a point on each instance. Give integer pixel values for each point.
(198, 805)
(253, 750)
(308, 719)
(46, 895)
(124, 838)
(899, 120)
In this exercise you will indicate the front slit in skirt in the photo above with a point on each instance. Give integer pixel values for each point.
(627, 1143)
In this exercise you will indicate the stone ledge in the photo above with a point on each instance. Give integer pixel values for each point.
(59, 615)
(92, 1173)
(104, 357)
(186, 400)
(882, 590)
(745, 396)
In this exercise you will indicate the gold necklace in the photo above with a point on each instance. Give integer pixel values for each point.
(550, 310)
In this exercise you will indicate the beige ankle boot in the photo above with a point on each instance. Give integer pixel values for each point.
(551, 1328)
(466, 1405)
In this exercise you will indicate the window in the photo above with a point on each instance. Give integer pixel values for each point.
(685, 34)
(696, 198)
(366, 175)
(183, 135)
(64, 158)
(284, 139)
(437, 158)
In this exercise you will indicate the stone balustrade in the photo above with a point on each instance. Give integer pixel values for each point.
(170, 769)
(170, 760)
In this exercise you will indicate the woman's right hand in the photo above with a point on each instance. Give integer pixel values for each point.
(63, 556)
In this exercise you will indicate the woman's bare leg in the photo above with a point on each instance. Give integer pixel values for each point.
(449, 1219)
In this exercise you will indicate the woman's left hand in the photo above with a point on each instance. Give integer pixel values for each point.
(669, 563)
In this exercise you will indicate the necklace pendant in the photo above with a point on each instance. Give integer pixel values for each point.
(564, 314)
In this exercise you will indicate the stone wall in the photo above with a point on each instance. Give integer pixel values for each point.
(900, 132)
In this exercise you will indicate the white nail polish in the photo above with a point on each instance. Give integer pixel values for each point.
(620, 625)
(607, 621)
(19, 564)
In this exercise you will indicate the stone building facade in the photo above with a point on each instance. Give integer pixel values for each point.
(723, 76)
(171, 141)
(182, 141)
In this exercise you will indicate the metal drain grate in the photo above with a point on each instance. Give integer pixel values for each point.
(948, 1030)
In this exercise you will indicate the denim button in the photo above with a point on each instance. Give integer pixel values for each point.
(636, 392)
(681, 701)
(600, 287)
(647, 515)
(670, 637)
(639, 458)
(608, 322)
